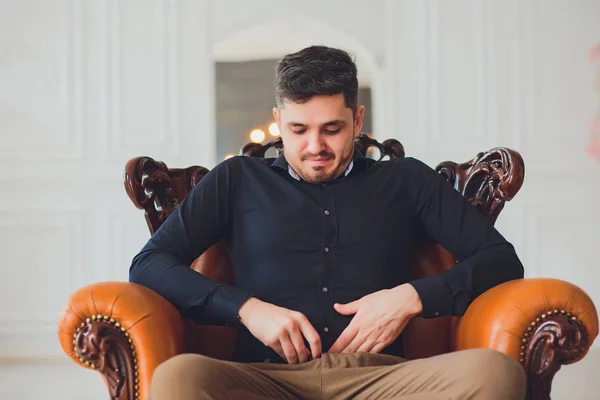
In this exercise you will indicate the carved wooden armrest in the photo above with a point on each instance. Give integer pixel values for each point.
(543, 323)
(124, 331)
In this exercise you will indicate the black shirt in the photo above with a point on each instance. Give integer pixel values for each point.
(306, 246)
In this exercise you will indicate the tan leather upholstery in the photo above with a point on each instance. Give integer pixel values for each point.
(155, 327)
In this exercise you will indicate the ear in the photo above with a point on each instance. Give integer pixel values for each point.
(358, 120)
(277, 118)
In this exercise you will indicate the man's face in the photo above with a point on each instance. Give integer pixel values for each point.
(318, 136)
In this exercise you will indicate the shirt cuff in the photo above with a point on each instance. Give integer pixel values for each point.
(227, 303)
(221, 308)
(435, 296)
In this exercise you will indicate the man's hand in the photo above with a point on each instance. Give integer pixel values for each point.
(281, 329)
(379, 319)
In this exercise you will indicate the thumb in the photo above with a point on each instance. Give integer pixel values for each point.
(348, 308)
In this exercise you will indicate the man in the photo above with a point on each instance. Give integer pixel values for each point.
(320, 240)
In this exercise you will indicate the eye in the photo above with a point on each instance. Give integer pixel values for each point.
(299, 132)
(332, 132)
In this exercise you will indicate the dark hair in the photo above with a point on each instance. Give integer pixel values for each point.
(316, 70)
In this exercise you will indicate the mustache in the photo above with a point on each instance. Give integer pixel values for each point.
(324, 155)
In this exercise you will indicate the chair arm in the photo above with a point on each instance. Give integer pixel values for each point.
(123, 330)
(544, 323)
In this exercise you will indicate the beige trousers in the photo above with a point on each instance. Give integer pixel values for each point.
(469, 374)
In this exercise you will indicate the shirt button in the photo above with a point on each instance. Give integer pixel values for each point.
(437, 313)
(326, 212)
(326, 329)
(325, 289)
(326, 249)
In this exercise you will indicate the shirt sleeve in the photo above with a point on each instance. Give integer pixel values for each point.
(201, 220)
(486, 258)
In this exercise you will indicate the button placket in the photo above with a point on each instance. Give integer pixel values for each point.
(327, 210)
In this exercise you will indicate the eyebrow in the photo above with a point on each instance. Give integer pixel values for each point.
(323, 125)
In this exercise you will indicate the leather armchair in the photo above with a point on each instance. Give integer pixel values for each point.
(125, 331)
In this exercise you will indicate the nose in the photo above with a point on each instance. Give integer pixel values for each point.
(316, 143)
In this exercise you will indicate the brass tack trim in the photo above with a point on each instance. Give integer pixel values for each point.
(528, 334)
(106, 318)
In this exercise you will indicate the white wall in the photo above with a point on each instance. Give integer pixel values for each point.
(86, 85)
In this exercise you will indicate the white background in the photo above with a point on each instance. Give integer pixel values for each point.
(87, 85)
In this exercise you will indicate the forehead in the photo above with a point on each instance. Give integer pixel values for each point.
(318, 109)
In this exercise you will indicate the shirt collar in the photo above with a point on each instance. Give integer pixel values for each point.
(358, 162)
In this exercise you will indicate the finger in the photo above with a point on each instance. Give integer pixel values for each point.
(347, 309)
(288, 349)
(345, 339)
(354, 344)
(279, 350)
(312, 337)
(367, 346)
(378, 347)
(298, 343)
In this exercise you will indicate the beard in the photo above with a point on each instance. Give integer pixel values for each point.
(320, 174)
